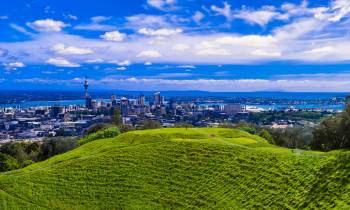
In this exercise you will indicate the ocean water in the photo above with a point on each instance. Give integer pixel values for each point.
(28, 104)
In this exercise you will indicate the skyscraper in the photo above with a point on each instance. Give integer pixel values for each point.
(114, 100)
(157, 99)
(88, 99)
(142, 100)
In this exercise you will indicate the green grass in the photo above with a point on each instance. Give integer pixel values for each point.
(181, 169)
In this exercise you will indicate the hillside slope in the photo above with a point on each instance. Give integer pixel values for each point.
(181, 169)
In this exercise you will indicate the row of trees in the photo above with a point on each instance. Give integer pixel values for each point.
(294, 138)
(333, 133)
(14, 155)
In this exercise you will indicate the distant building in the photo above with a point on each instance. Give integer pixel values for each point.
(141, 101)
(124, 106)
(158, 99)
(114, 100)
(232, 109)
(172, 106)
(55, 111)
(88, 103)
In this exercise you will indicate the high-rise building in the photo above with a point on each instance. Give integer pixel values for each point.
(113, 97)
(124, 106)
(114, 100)
(88, 102)
(157, 99)
(172, 106)
(142, 100)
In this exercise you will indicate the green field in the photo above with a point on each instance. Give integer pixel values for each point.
(181, 169)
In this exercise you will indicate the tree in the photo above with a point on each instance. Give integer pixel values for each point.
(126, 128)
(295, 138)
(150, 124)
(7, 163)
(183, 125)
(110, 132)
(96, 127)
(117, 119)
(246, 127)
(55, 146)
(266, 135)
(16, 150)
(333, 133)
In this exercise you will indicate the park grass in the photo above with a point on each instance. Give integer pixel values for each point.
(194, 168)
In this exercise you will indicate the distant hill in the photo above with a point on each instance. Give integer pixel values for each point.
(181, 169)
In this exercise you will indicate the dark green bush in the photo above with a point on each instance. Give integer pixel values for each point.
(102, 134)
(8, 163)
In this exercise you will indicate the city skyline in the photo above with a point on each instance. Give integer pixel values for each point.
(160, 45)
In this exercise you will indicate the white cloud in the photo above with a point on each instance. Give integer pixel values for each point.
(149, 54)
(49, 72)
(198, 17)
(71, 50)
(173, 75)
(13, 65)
(20, 29)
(96, 24)
(249, 40)
(341, 9)
(4, 17)
(148, 63)
(98, 19)
(187, 67)
(327, 49)
(261, 17)
(61, 62)
(299, 28)
(148, 21)
(213, 51)
(160, 32)
(47, 25)
(224, 11)
(306, 37)
(96, 60)
(123, 63)
(122, 68)
(180, 47)
(115, 36)
(162, 4)
(95, 27)
(265, 53)
(16, 65)
(70, 16)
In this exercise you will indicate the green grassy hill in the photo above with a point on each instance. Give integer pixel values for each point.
(181, 169)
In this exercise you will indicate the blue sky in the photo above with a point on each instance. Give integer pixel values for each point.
(211, 45)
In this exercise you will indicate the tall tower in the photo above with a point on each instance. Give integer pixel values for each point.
(86, 86)
(88, 99)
